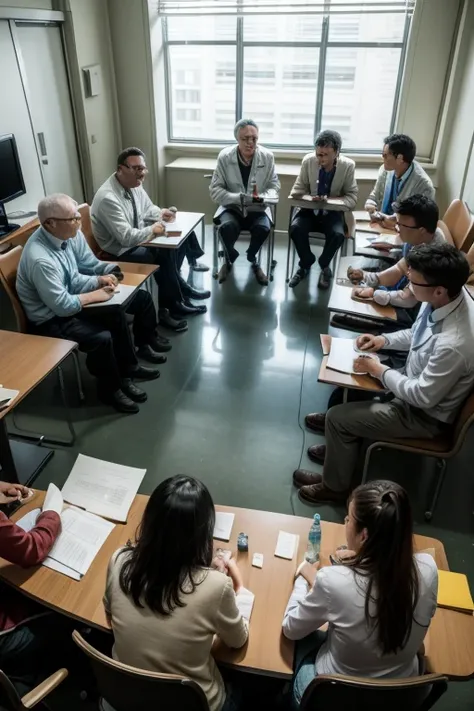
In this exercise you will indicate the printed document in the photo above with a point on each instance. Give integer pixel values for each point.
(223, 525)
(121, 294)
(342, 355)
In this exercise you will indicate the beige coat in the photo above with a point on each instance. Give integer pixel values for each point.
(343, 185)
(179, 643)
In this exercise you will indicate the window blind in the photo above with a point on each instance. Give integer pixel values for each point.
(170, 8)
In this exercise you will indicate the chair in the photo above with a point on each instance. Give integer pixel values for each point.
(441, 448)
(126, 688)
(460, 223)
(336, 691)
(33, 697)
(319, 237)
(8, 270)
(86, 228)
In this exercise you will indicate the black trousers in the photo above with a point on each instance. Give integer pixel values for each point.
(232, 223)
(193, 248)
(167, 276)
(331, 225)
(103, 334)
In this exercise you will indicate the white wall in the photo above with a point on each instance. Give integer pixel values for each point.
(88, 30)
(456, 152)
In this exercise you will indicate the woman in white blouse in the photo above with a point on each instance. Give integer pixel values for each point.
(378, 602)
(166, 598)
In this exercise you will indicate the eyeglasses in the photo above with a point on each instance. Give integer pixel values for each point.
(136, 168)
(406, 227)
(76, 218)
(248, 139)
(417, 283)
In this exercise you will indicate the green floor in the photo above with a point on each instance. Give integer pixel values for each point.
(229, 409)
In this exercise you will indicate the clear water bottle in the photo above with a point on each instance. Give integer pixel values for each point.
(314, 541)
(253, 188)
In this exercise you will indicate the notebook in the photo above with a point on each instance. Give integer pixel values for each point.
(453, 592)
(342, 355)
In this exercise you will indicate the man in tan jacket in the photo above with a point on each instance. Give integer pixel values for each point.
(324, 174)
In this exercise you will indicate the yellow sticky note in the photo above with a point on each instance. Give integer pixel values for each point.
(453, 591)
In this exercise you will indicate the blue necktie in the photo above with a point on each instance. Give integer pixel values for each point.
(421, 324)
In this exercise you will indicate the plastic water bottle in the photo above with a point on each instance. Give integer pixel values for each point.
(253, 188)
(314, 541)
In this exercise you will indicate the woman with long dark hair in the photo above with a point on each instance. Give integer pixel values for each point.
(166, 597)
(378, 601)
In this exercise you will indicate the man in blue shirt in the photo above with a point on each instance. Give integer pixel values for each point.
(58, 276)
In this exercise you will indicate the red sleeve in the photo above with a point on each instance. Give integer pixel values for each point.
(28, 549)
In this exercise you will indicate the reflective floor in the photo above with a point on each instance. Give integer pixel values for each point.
(229, 408)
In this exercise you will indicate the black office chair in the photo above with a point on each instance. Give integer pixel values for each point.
(335, 691)
(15, 702)
(125, 688)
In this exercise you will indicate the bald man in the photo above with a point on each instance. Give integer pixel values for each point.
(58, 276)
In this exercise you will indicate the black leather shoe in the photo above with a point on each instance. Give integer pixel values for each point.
(324, 281)
(298, 276)
(160, 344)
(191, 293)
(185, 309)
(131, 391)
(142, 372)
(119, 401)
(168, 322)
(149, 354)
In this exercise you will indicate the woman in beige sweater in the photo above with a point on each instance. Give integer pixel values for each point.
(166, 597)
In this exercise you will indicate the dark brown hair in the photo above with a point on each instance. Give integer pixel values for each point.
(386, 560)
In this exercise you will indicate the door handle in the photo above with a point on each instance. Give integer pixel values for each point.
(42, 144)
(44, 161)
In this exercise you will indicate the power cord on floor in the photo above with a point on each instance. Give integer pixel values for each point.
(303, 431)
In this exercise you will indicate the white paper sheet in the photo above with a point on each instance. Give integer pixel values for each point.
(121, 294)
(104, 488)
(342, 355)
(28, 521)
(168, 241)
(287, 544)
(245, 600)
(173, 227)
(6, 397)
(60, 568)
(223, 525)
(53, 500)
(82, 536)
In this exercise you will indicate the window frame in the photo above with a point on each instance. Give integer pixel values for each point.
(323, 45)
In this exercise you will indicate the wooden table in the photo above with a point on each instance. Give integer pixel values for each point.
(341, 302)
(449, 644)
(363, 240)
(19, 236)
(187, 221)
(343, 380)
(25, 361)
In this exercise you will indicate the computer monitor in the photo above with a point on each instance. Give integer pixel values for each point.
(12, 184)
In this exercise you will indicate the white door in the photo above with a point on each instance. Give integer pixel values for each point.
(50, 107)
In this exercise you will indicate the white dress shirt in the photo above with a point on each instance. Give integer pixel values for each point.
(351, 648)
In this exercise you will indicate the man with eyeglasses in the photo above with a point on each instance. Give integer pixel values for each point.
(124, 217)
(425, 397)
(417, 223)
(245, 174)
(324, 173)
(58, 276)
(399, 177)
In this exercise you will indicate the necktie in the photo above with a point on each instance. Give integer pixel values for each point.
(421, 324)
(134, 207)
(63, 244)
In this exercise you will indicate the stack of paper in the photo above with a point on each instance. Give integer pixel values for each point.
(342, 355)
(6, 397)
(173, 229)
(121, 294)
(223, 525)
(453, 592)
(103, 488)
(287, 545)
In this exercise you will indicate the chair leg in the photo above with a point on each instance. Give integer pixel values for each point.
(290, 243)
(368, 454)
(77, 368)
(441, 466)
(66, 408)
(215, 256)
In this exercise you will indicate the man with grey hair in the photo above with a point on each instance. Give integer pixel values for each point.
(58, 276)
(243, 172)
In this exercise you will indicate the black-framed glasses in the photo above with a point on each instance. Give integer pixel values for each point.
(136, 168)
(407, 227)
(76, 218)
(417, 283)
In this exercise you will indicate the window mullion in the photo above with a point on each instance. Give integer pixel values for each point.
(401, 69)
(239, 73)
(322, 70)
(167, 69)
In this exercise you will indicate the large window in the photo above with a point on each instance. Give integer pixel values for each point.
(293, 74)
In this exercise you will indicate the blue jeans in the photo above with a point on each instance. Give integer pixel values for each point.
(306, 652)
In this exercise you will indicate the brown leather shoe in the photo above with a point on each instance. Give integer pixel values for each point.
(303, 477)
(224, 272)
(316, 421)
(317, 453)
(319, 493)
(260, 275)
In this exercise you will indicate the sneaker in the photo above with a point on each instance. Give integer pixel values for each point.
(131, 391)
(324, 281)
(298, 276)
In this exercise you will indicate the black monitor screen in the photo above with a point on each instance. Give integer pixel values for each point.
(11, 178)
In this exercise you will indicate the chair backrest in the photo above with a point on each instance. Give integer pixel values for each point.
(359, 694)
(126, 688)
(463, 421)
(8, 268)
(86, 227)
(460, 223)
(10, 694)
(444, 229)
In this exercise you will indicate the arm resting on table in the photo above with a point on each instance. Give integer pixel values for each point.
(28, 548)
(307, 609)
